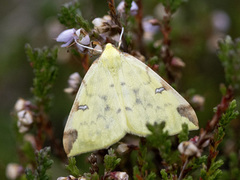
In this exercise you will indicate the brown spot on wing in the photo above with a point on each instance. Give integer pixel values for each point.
(165, 85)
(69, 137)
(188, 112)
(75, 106)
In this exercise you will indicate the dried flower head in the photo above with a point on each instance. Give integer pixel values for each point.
(14, 171)
(122, 148)
(188, 148)
(107, 28)
(119, 175)
(25, 120)
(102, 25)
(70, 177)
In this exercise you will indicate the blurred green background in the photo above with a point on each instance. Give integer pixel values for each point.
(194, 38)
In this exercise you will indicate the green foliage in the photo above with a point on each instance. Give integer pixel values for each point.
(45, 71)
(153, 60)
(72, 168)
(142, 165)
(198, 162)
(67, 15)
(226, 118)
(111, 160)
(160, 139)
(137, 174)
(183, 135)
(214, 172)
(128, 4)
(234, 168)
(230, 114)
(82, 22)
(164, 174)
(71, 16)
(43, 163)
(172, 5)
(151, 176)
(28, 151)
(188, 178)
(229, 53)
(90, 176)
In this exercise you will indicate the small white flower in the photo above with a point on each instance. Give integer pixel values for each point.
(13, 171)
(74, 80)
(66, 36)
(122, 148)
(70, 177)
(121, 176)
(189, 149)
(20, 104)
(25, 119)
(133, 9)
(62, 178)
(73, 83)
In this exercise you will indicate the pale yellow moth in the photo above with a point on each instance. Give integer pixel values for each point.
(119, 94)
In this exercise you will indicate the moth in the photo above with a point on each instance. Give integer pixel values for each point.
(118, 95)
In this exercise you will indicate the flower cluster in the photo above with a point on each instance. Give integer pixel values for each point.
(105, 27)
(24, 115)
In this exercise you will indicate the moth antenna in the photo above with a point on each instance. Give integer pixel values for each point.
(88, 47)
(120, 38)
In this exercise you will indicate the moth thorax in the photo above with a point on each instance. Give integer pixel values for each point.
(111, 58)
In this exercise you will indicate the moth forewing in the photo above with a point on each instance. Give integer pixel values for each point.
(119, 94)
